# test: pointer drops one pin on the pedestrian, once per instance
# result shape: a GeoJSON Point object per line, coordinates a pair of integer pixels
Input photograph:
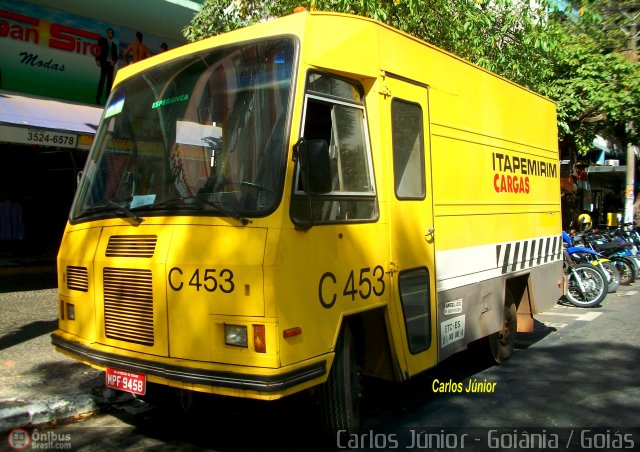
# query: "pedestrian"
{"type": "Point", "coordinates": [106, 61]}
{"type": "Point", "coordinates": [137, 49]}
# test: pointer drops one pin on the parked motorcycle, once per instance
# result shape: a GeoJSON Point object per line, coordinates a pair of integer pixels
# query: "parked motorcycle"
{"type": "Point", "coordinates": [581, 254]}
{"type": "Point", "coordinates": [586, 287]}
{"type": "Point", "coordinates": [627, 235]}
{"type": "Point", "coordinates": [614, 251]}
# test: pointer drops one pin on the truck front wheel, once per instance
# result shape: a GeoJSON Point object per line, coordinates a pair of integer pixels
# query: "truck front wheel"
{"type": "Point", "coordinates": [339, 397]}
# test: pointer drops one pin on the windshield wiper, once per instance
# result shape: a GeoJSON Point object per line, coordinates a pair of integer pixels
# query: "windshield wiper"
{"type": "Point", "coordinates": [110, 206]}
{"type": "Point", "coordinates": [218, 205]}
{"type": "Point", "coordinates": [124, 210]}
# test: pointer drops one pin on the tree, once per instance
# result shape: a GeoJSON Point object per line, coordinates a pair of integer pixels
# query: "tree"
{"type": "Point", "coordinates": [504, 36]}
{"type": "Point", "coordinates": [571, 58]}
{"type": "Point", "coordinates": [597, 93]}
{"type": "Point", "coordinates": [596, 87]}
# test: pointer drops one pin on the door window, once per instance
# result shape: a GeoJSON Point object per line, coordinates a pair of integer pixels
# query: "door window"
{"type": "Point", "coordinates": [414, 296]}
{"type": "Point", "coordinates": [408, 152]}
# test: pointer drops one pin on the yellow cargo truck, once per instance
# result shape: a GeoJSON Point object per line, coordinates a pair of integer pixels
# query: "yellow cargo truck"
{"type": "Point", "coordinates": [291, 205]}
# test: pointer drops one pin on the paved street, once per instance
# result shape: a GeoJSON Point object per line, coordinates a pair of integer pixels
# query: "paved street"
{"type": "Point", "coordinates": [36, 383]}
{"type": "Point", "coordinates": [578, 369]}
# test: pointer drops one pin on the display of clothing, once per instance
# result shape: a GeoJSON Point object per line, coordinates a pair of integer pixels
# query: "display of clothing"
{"type": "Point", "coordinates": [11, 224]}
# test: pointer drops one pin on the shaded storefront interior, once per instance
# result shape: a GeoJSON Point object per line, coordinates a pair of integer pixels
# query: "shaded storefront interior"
{"type": "Point", "coordinates": [48, 113]}
{"type": "Point", "coordinates": [44, 145]}
{"type": "Point", "coordinates": [595, 184]}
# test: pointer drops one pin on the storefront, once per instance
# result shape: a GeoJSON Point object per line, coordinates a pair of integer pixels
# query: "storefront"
{"type": "Point", "coordinates": [43, 147]}
{"type": "Point", "coordinates": [49, 84]}
{"type": "Point", "coordinates": [595, 183]}
{"type": "Point", "coordinates": [606, 185]}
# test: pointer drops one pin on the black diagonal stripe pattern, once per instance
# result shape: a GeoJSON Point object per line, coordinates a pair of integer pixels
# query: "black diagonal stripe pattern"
{"type": "Point", "coordinates": [528, 253]}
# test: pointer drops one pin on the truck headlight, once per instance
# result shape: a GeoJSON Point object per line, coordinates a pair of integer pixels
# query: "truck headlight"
{"type": "Point", "coordinates": [71, 311]}
{"type": "Point", "coordinates": [236, 335]}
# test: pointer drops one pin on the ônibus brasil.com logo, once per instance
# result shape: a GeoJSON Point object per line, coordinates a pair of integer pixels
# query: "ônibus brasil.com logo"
{"type": "Point", "coordinates": [21, 439]}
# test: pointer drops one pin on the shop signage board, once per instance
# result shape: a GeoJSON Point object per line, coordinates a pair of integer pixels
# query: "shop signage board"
{"type": "Point", "coordinates": [52, 53]}
{"type": "Point", "coordinates": [42, 137]}
{"type": "Point", "coordinates": [48, 52]}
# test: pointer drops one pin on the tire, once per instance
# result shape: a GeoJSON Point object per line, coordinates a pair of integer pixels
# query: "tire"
{"type": "Point", "coordinates": [626, 271]}
{"type": "Point", "coordinates": [501, 343]}
{"type": "Point", "coordinates": [339, 397]}
{"type": "Point", "coordinates": [636, 266]}
{"type": "Point", "coordinates": [601, 270]}
{"type": "Point", "coordinates": [636, 262]}
{"type": "Point", "coordinates": [614, 276]}
{"type": "Point", "coordinates": [595, 287]}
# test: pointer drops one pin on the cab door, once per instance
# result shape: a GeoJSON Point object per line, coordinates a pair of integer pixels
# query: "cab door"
{"type": "Point", "coordinates": [412, 235]}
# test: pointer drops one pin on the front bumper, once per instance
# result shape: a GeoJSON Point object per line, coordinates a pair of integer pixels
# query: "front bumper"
{"type": "Point", "coordinates": [268, 384]}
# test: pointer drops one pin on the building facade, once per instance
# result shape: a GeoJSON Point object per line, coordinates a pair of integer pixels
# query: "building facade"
{"type": "Point", "coordinates": [50, 106]}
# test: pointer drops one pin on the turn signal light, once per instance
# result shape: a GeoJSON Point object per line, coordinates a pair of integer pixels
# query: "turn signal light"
{"type": "Point", "coordinates": [291, 332]}
{"type": "Point", "coordinates": [259, 340]}
{"type": "Point", "coordinates": [299, 9]}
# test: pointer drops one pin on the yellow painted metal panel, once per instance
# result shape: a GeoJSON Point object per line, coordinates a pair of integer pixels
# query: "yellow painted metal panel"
{"type": "Point", "coordinates": [326, 48]}
{"type": "Point", "coordinates": [74, 252]}
{"type": "Point", "coordinates": [321, 276]}
{"type": "Point", "coordinates": [410, 219]}
{"type": "Point", "coordinates": [509, 192]}
{"type": "Point", "coordinates": [211, 270]}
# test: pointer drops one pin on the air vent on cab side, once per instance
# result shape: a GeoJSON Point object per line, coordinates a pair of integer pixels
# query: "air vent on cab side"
{"type": "Point", "coordinates": [131, 246]}
{"type": "Point", "coordinates": [77, 279]}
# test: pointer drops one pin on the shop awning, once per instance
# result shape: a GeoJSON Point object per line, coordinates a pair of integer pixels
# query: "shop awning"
{"type": "Point", "coordinates": [47, 122]}
{"type": "Point", "coordinates": [612, 176]}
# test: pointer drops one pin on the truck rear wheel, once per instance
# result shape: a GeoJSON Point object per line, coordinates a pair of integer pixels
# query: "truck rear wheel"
{"type": "Point", "coordinates": [502, 342]}
{"type": "Point", "coordinates": [340, 396]}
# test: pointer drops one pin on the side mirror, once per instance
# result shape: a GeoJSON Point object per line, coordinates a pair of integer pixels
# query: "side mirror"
{"type": "Point", "coordinates": [315, 165]}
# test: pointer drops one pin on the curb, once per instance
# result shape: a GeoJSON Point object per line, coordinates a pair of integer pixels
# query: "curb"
{"type": "Point", "coordinates": [12, 270]}
{"type": "Point", "coordinates": [18, 413]}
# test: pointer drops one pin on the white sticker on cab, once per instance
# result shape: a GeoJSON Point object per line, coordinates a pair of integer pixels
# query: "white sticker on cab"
{"type": "Point", "coordinates": [453, 307]}
{"type": "Point", "coordinates": [451, 330]}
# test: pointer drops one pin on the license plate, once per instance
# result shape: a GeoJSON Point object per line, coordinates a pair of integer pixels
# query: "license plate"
{"type": "Point", "coordinates": [126, 381]}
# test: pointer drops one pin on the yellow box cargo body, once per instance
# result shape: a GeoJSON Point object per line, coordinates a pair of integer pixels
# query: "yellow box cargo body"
{"type": "Point", "coordinates": [265, 211]}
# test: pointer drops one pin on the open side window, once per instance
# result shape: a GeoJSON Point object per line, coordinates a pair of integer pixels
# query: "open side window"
{"type": "Point", "coordinates": [334, 112]}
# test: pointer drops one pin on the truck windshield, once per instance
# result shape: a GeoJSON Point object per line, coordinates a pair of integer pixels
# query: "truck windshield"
{"type": "Point", "coordinates": [203, 134]}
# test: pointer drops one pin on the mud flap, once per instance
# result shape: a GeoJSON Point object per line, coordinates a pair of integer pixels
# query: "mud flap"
{"type": "Point", "coordinates": [525, 316]}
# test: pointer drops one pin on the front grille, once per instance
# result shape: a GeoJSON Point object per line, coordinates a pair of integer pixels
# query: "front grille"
{"type": "Point", "coordinates": [131, 246]}
{"type": "Point", "coordinates": [77, 279]}
{"type": "Point", "coordinates": [128, 305]}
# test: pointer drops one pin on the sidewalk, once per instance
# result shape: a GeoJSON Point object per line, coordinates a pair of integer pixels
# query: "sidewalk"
{"type": "Point", "coordinates": [37, 384]}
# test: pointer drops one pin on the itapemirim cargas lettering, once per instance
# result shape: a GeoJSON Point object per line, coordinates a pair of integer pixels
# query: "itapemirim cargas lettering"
{"type": "Point", "coordinates": [512, 172]}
